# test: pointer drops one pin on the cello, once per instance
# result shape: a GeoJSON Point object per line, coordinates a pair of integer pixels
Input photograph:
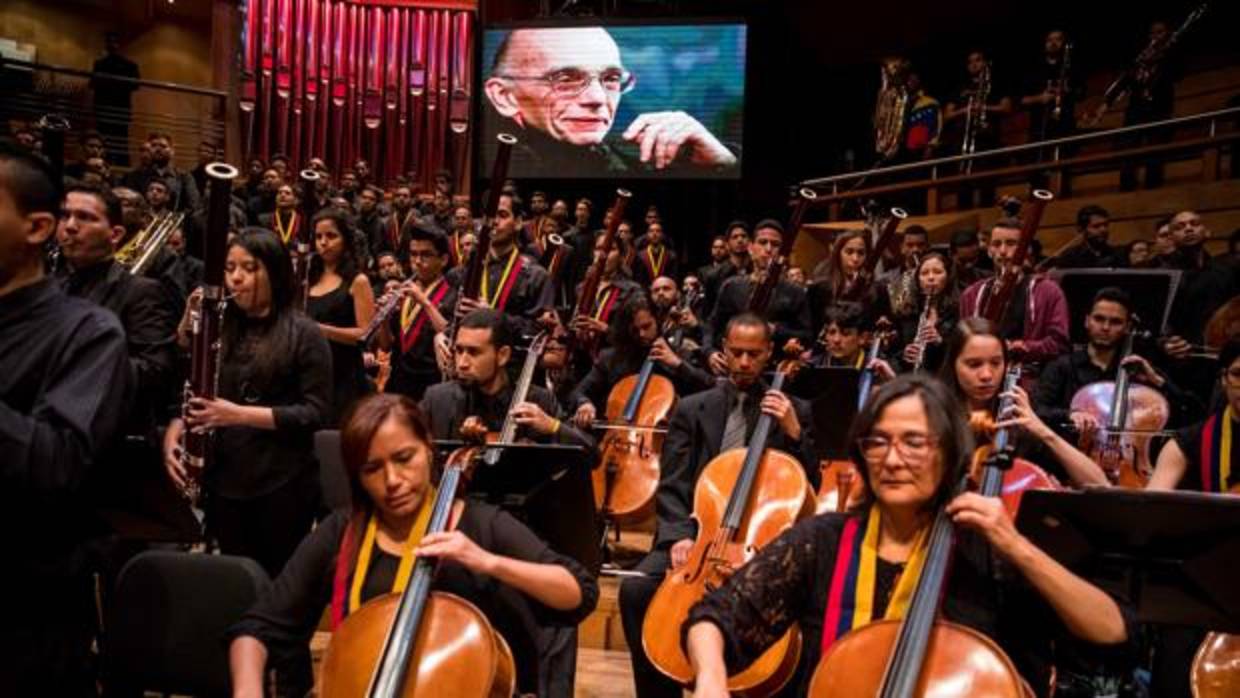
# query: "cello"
{"type": "Point", "coordinates": [744, 498]}
{"type": "Point", "coordinates": [1132, 416]}
{"type": "Point", "coordinates": [1215, 670]}
{"type": "Point", "coordinates": [418, 642]}
{"type": "Point", "coordinates": [921, 655]}
{"type": "Point", "coordinates": [637, 409]}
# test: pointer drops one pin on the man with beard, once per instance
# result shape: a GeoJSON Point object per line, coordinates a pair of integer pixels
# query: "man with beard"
{"type": "Point", "coordinates": [1207, 283]}
{"type": "Point", "coordinates": [1107, 325]}
{"type": "Point", "coordinates": [349, 186]}
{"type": "Point", "coordinates": [182, 191]}
{"type": "Point", "coordinates": [559, 89]}
{"type": "Point", "coordinates": [654, 257]}
{"type": "Point", "coordinates": [1093, 224]}
{"type": "Point", "coordinates": [397, 225]}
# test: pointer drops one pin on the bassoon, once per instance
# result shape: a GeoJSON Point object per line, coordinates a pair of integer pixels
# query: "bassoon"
{"type": "Point", "coordinates": [762, 293]}
{"type": "Point", "coordinates": [206, 321]}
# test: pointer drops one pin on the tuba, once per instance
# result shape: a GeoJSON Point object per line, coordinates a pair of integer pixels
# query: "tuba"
{"type": "Point", "coordinates": [891, 108]}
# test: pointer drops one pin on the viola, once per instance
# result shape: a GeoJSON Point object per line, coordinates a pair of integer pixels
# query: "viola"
{"type": "Point", "coordinates": [744, 498]}
{"type": "Point", "coordinates": [421, 643]}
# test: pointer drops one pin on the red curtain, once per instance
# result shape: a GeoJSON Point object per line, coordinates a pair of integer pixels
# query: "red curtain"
{"type": "Point", "coordinates": [343, 80]}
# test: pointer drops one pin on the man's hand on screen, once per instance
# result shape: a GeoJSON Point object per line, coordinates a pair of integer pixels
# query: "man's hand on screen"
{"type": "Point", "coordinates": [662, 135]}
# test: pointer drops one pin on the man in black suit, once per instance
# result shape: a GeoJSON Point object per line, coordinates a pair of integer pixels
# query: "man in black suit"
{"type": "Point", "coordinates": [114, 98]}
{"type": "Point", "coordinates": [701, 427]}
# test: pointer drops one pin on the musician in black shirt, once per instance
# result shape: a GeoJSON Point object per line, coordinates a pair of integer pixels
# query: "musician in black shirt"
{"type": "Point", "coordinates": [635, 336]}
{"type": "Point", "coordinates": [482, 391]}
{"type": "Point", "coordinates": [64, 390]}
{"type": "Point", "coordinates": [788, 310]}
{"type": "Point", "coordinates": [410, 333]}
{"type": "Point", "coordinates": [262, 479]}
{"type": "Point", "coordinates": [488, 558]}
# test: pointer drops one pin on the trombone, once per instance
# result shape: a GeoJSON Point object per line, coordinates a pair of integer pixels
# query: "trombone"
{"type": "Point", "coordinates": [142, 248]}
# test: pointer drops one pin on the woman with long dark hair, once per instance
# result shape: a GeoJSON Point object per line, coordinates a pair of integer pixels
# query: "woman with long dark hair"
{"type": "Point", "coordinates": [836, 572]}
{"type": "Point", "coordinates": [842, 277]}
{"type": "Point", "coordinates": [342, 301]}
{"type": "Point", "coordinates": [973, 367]}
{"type": "Point", "coordinates": [935, 298]}
{"type": "Point", "coordinates": [261, 484]}
{"type": "Point", "coordinates": [489, 558]}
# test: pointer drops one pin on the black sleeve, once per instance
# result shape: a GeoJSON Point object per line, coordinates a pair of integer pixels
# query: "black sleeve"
{"type": "Point", "coordinates": [568, 434]}
{"type": "Point", "coordinates": [691, 378]}
{"type": "Point", "coordinates": [1050, 398]}
{"type": "Point", "coordinates": [756, 605]}
{"type": "Point", "coordinates": [725, 308]}
{"type": "Point", "coordinates": [595, 386]}
{"type": "Point", "coordinates": [673, 499]}
{"type": "Point", "coordinates": [190, 201]}
{"type": "Point", "coordinates": [805, 451]}
{"type": "Point", "coordinates": [314, 371]}
{"type": "Point", "coordinates": [514, 539]}
{"type": "Point", "coordinates": [287, 612]}
{"type": "Point", "coordinates": [150, 332]}
{"type": "Point", "coordinates": [797, 322]}
{"type": "Point", "coordinates": [81, 408]}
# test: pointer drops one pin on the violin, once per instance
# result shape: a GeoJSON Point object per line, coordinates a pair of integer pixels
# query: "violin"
{"type": "Point", "coordinates": [421, 643]}
{"type": "Point", "coordinates": [921, 655]}
{"type": "Point", "coordinates": [744, 498]}
{"type": "Point", "coordinates": [1132, 416]}
{"type": "Point", "coordinates": [1020, 475]}
{"type": "Point", "coordinates": [625, 485]}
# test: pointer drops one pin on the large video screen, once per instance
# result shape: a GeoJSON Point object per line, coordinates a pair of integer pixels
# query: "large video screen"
{"type": "Point", "coordinates": [615, 101]}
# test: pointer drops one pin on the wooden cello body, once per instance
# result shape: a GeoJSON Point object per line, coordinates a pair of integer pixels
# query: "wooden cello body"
{"type": "Point", "coordinates": [419, 643]}
{"type": "Point", "coordinates": [744, 498]}
{"type": "Point", "coordinates": [921, 655]}
{"type": "Point", "coordinates": [626, 481]}
{"type": "Point", "coordinates": [1216, 667]}
{"type": "Point", "coordinates": [1121, 446]}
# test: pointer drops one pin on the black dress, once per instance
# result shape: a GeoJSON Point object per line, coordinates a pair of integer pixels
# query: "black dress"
{"type": "Point", "coordinates": [788, 582]}
{"type": "Point", "coordinates": [286, 615]}
{"type": "Point", "coordinates": [349, 382]}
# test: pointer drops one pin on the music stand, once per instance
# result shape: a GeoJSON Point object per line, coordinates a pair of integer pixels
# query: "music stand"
{"type": "Point", "coordinates": [548, 487]}
{"type": "Point", "coordinates": [832, 395]}
{"type": "Point", "coordinates": [1152, 292]}
{"type": "Point", "coordinates": [1170, 553]}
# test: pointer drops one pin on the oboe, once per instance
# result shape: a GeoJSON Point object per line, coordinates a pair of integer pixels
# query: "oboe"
{"type": "Point", "coordinates": [923, 325]}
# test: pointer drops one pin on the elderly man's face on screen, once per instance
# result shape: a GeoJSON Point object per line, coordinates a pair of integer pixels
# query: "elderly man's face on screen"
{"type": "Point", "coordinates": [564, 82]}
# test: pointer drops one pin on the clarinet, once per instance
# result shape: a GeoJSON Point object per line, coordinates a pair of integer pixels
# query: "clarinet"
{"type": "Point", "coordinates": [206, 322]}
{"type": "Point", "coordinates": [923, 324]}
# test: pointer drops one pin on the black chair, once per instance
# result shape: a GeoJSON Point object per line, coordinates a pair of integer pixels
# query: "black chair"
{"type": "Point", "coordinates": [335, 484]}
{"type": "Point", "coordinates": [164, 629]}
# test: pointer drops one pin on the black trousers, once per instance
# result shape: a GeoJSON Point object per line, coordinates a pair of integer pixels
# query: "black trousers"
{"type": "Point", "coordinates": [45, 639]}
{"type": "Point", "coordinates": [269, 527]}
{"type": "Point", "coordinates": [635, 596]}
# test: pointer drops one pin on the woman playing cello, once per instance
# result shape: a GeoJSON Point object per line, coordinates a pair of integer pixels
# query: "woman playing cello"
{"type": "Point", "coordinates": [489, 559]}
{"type": "Point", "coordinates": [836, 572]}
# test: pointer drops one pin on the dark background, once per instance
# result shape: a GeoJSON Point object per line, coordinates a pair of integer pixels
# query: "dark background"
{"type": "Point", "coordinates": [813, 76]}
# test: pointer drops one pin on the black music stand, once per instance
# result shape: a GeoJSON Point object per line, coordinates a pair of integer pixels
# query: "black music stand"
{"type": "Point", "coordinates": [548, 487]}
{"type": "Point", "coordinates": [1152, 292]}
{"type": "Point", "coordinates": [1170, 553]}
{"type": "Point", "coordinates": [832, 394]}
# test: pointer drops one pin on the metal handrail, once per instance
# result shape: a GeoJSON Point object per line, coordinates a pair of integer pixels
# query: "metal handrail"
{"type": "Point", "coordinates": [835, 180]}
{"type": "Point", "coordinates": [174, 86]}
